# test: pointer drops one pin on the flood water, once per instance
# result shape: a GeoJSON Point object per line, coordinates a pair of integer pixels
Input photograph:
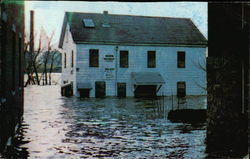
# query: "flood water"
{"type": "Point", "coordinates": [59, 127]}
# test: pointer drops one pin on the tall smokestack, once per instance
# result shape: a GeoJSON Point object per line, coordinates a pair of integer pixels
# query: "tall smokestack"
{"type": "Point", "coordinates": [31, 31]}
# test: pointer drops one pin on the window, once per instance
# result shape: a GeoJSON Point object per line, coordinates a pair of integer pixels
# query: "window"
{"type": "Point", "coordinates": [124, 59]}
{"type": "Point", "coordinates": [151, 59]}
{"type": "Point", "coordinates": [20, 61]}
{"type": "Point", "coordinates": [88, 23]}
{"type": "Point", "coordinates": [181, 89]}
{"type": "Point", "coordinates": [93, 58]}
{"type": "Point", "coordinates": [72, 58]}
{"type": "Point", "coordinates": [65, 60]}
{"type": "Point", "coordinates": [13, 60]}
{"type": "Point", "coordinates": [181, 59]}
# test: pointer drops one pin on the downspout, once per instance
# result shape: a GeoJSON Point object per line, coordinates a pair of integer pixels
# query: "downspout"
{"type": "Point", "coordinates": [243, 88]}
{"type": "Point", "coordinates": [242, 67]}
{"type": "Point", "coordinates": [116, 67]}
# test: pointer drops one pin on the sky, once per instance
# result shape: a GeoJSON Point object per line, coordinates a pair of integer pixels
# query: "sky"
{"type": "Point", "coordinates": [49, 14]}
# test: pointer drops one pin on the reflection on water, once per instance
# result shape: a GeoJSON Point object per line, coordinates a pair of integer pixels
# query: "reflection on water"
{"type": "Point", "coordinates": [60, 127]}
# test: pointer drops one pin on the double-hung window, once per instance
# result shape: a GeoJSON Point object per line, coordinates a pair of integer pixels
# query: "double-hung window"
{"type": "Point", "coordinates": [181, 89]}
{"type": "Point", "coordinates": [123, 59]}
{"type": "Point", "coordinates": [93, 58]}
{"type": "Point", "coordinates": [181, 59]}
{"type": "Point", "coordinates": [151, 59]}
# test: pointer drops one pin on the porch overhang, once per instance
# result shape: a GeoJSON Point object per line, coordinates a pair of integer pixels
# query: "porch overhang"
{"type": "Point", "coordinates": [66, 85]}
{"type": "Point", "coordinates": [84, 85]}
{"type": "Point", "coordinates": [147, 78]}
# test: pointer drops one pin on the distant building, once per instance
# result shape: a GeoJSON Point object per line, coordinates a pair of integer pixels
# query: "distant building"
{"type": "Point", "coordinates": [11, 67]}
{"type": "Point", "coordinates": [123, 55]}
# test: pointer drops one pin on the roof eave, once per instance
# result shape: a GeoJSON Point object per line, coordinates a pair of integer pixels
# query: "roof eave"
{"type": "Point", "coordinates": [60, 45]}
{"type": "Point", "coordinates": [201, 44]}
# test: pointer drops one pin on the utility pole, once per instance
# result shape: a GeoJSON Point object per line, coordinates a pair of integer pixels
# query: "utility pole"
{"type": "Point", "coordinates": [31, 31]}
{"type": "Point", "coordinates": [31, 50]}
{"type": "Point", "coordinates": [32, 53]}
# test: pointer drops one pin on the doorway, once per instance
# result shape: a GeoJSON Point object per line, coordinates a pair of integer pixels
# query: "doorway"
{"type": "Point", "coordinates": [100, 89]}
{"type": "Point", "coordinates": [145, 91]}
{"type": "Point", "coordinates": [84, 93]}
{"type": "Point", "coordinates": [121, 89]}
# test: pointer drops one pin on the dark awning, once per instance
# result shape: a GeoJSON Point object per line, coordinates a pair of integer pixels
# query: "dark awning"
{"type": "Point", "coordinates": [84, 85]}
{"type": "Point", "coordinates": [147, 78]}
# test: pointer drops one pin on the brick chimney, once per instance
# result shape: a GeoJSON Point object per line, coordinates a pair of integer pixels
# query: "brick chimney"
{"type": "Point", "coordinates": [105, 19]}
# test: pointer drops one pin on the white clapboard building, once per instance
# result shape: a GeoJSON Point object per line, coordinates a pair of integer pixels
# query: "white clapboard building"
{"type": "Point", "coordinates": [123, 55]}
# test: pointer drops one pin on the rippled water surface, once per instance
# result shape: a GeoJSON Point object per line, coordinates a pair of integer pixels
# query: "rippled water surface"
{"type": "Point", "coordinates": [59, 127]}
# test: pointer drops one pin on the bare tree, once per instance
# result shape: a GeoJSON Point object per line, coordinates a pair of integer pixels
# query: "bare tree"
{"type": "Point", "coordinates": [40, 61]}
{"type": "Point", "coordinates": [200, 65]}
{"type": "Point", "coordinates": [32, 62]}
{"type": "Point", "coordinates": [35, 58]}
{"type": "Point", "coordinates": [36, 62]}
{"type": "Point", "coordinates": [47, 57]}
{"type": "Point", "coordinates": [53, 57]}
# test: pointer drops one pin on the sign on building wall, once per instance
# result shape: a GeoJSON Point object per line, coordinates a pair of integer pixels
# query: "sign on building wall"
{"type": "Point", "coordinates": [109, 58]}
{"type": "Point", "coordinates": [109, 67]}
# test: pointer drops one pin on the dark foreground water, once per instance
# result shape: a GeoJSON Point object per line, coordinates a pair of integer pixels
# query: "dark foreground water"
{"type": "Point", "coordinates": [58, 127]}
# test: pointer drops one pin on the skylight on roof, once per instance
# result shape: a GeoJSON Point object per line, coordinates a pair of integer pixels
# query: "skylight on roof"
{"type": "Point", "coordinates": [88, 23]}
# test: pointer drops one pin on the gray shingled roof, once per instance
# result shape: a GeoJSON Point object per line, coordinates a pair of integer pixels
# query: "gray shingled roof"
{"type": "Point", "coordinates": [133, 30]}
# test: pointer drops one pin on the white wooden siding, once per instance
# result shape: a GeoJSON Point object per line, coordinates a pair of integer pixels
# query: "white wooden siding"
{"type": "Point", "coordinates": [166, 64]}
{"type": "Point", "coordinates": [69, 73]}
